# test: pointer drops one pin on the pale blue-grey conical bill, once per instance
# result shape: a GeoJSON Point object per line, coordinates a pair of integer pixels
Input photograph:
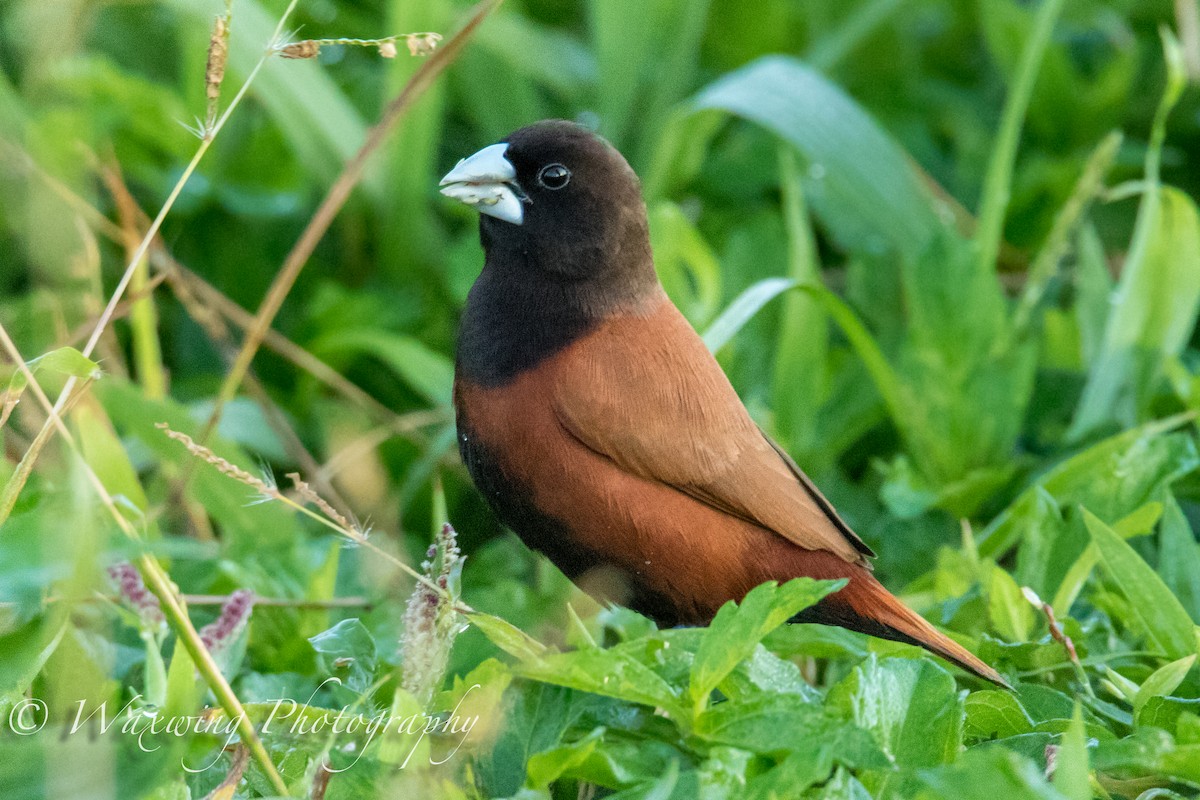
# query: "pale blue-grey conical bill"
{"type": "Point", "coordinates": [487, 181]}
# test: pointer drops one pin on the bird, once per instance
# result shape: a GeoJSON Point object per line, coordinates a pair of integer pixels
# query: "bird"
{"type": "Point", "coordinates": [600, 429]}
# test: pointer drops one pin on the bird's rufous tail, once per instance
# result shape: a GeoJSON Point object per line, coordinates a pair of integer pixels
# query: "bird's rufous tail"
{"type": "Point", "coordinates": [865, 606]}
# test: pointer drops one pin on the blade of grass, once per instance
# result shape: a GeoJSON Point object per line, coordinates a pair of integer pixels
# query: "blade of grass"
{"type": "Point", "coordinates": [799, 381]}
{"type": "Point", "coordinates": [997, 185]}
{"type": "Point", "coordinates": [862, 184]}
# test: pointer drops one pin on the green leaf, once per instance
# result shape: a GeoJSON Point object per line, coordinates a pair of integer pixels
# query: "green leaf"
{"type": "Point", "coordinates": [1010, 612]}
{"type": "Point", "coordinates": [1167, 713]}
{"type": "Point", "coordinates": [776, 724]}
{"type": "Point", "coordinates": [1154, 610]}
{"type": "Point", "coordinates": [184, 687]}
{"type": "Point", "coordinates": [686, 264]}
{"type": "Point", "coordinates": [426, 371]}
{"type": "Point", "coordinates": [1071, 763]}
{"type": "Point", "coordinates": [1163, 681]}
{"type": "Point", "coordinates": [611, 673]}
{"type": "Point", "coordinates": [1150, 752]}
{"type": "Point", "coordinates": [548, 766]}
{"type": "Point", "coordinates": [508, 637]}
{"type": "Point", "coordinates": [245, 527]}
{"type": "Point", "coordinates": [533, 719]}
{"type": "Point", "coordinates": [107, 457]}
{"type": "Point", "coordinates": [800, 379]}
{"type": "Point", "coordinates": [911, 706]}
{"type": "Point", "coordinates": [25, 650]}
{"type": "Point", "coordinates": [1154, 312]}
{"type": "Point", "coordinates": [739, 627]}
{"type": "Point", "coordinates": [995, 714]}
{"type": "Point", "coordinates": [988, 774]}
{"type": "Point", "coordinates": [1112, 478]}
{"type": "Point", "coordinates": [63, 361]}
{"type": "Point", "coordinates": [347, 652]}
{"type": "Point", "coordinates": [1157, 299]}
{"type": "Point", "coordinates": [862, 184]}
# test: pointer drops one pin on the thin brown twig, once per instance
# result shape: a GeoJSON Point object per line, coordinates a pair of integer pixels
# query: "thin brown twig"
{"type": "Point", "coordinates": [335, 198]}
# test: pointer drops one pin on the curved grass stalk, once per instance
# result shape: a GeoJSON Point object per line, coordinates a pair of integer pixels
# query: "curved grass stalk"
{"type": "Point", "coordinates": [160, 584]}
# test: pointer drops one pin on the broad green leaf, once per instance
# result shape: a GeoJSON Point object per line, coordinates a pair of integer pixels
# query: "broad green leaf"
{"type": "Point", "coordinates": [988, 774]}
{"type": "Point", "coordinates": [861, 183]}
{"type": "Point", "coordinates": [1138, 523]}
{"type": "Point", "coordinates": [1150, 752]}
{"type": "Point", "coordinates": [64, 361]}
{"type": "Point", "coordinates": [106, 455]}
{"type": "Point", "coordinates": [1071, 762]}
{"type": "Point", "coordinates": [534, 718]}
{"type": "Point", "coordinates": [1155, 611]}
{"type": "Point", "coordinates": [1167, 713]}
{"type": "Point", "coordinates": [1163, 681]}
{"type": "Point", "coordinates": [645, 67]}
{"type": "Point", "coordinates": [24, 651]}
{"type": "Point", "coordinates": [882, 373]}
{"type": "Point", "coordinates": [995, 714]}
{"type": "Point", "coordinates": [773, 724]}
{"type": "Point", "coordinates": [184, 686]}
{"type": "Point", "coordinates": [607, 758]}
{"type": "Point", "coordinates": [739, 627]}
{"type": "Point", "coordinates": [1111, 478]}
{"type": "Point", "coordinates": [910, 706]}
{"type": "Point", "coordinates": [347, 652]}
{"type": "Point", "coordinates": [800, 380]}
{"type": "Point", "coordinates": [245, 527]}
{"type": "Point", "coordinates": [610, 673]}
{"type": "Point", "coordinates": [1010, 612]}
{"type": "Point", "coordinates": [550, 765]}
{"type": "Point", "coordinates": [429, 373]}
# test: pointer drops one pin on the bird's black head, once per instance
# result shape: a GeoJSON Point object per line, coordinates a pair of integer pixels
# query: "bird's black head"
{"type": "Point", "coordinates": [558, 200]}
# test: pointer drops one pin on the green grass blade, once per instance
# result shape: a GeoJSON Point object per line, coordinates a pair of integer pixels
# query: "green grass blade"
{"type": "Point", "coordinates": [997, 187]}
{"type": "Point", "coordinates": [862, 184]}
{"type": "Point", "coordinates": [1153, 610]}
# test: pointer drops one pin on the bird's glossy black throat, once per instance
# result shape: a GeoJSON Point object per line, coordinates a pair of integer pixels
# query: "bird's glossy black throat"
{"type": "Point", "coordinates": [511, 325]}
{"type": "Point", "coordinates": [519, 312]}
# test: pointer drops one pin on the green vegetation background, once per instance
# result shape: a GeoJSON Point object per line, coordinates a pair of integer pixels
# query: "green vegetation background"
{"type": "Point", "coordinates": [948, 253]}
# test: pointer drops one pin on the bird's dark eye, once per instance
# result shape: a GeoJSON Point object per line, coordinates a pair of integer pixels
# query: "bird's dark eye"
{"type": "Point", "coordinates": [554, 176]}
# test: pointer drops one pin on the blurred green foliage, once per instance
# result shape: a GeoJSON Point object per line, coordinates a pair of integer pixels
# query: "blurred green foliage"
{"type": "Point", "coordinates": [948, 253]}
